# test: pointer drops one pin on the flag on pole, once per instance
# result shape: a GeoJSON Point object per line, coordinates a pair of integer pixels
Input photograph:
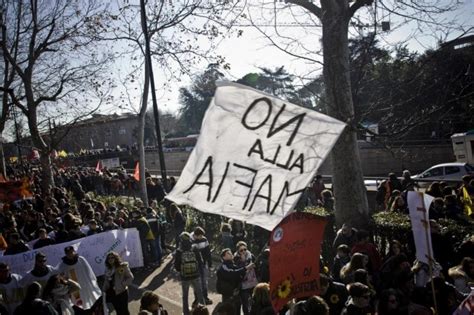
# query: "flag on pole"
{"type": "Point", "coordinates": [136, 174]}
{"type": "Point", "coordinates": [467, 201]}
{"type": "Point", "coordinates": [99, 167]}
{"type": "Point", "coordinates": [467, 306]}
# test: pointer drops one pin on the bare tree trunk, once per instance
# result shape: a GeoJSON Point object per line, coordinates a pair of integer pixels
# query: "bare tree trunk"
{"type": "Point", "coordinates": [347, 181]}
{"type": "Point", "coordinates": [47, 179]}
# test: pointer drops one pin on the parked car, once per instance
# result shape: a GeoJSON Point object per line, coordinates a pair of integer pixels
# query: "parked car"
{"type": "Point", "coordinates": [445, 172]}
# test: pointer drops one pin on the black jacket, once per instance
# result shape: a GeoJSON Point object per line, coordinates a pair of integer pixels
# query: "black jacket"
{"type": "Point", "coordinates": [229, 277]}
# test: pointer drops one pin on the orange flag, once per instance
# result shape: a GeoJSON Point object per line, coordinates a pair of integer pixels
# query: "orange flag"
{"type": "Point", "coordinates": [136, 174]}
{"type": "Point", "coordinates": [98, 167]}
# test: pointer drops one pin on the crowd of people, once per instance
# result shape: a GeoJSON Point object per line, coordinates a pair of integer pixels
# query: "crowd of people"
{"type": "Point", "coordinates": [360, 278]}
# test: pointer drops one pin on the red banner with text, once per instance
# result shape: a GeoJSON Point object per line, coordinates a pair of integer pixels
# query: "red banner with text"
{"type": "Point", "coordinates": [295, 246]}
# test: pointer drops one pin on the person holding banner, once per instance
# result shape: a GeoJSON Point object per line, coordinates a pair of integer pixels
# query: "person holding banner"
{"type": "Point", "coordinates": [10, 288]}
{"type": "Point", "coordinates": [40, 273]}
{"type": "Point", "coordinates": [77, 268]}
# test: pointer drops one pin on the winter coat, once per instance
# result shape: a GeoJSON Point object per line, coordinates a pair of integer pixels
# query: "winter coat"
{"type": "Point", "coordinates": [120, 278]}
{"type": "Point", "coordinates": [229, 277]}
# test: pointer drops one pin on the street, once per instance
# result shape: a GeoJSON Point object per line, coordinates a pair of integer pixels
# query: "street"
{"type": "Point", "coordinates": [165, 282]}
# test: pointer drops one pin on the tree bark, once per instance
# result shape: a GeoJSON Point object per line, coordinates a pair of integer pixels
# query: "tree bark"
{"type": "Point", "coordinates": [47, 178]}
{"type": "Point", "coordinates": [347, 181]}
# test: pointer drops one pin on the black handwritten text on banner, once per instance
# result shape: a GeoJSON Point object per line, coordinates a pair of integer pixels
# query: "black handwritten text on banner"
{"type": "Point", "coordinates": [255, 156]}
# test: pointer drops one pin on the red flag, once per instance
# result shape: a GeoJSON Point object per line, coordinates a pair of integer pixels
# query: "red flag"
{"type": "Point", "coordinates": [98, 168]}
{"type": "Point", "coordinates": [136, 175]}
{"type": "Point", "coordinates": [295, 245]}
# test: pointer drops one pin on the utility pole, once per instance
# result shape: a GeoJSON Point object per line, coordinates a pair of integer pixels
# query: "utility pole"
{"type": "Point", "coordinates": [161, 155]}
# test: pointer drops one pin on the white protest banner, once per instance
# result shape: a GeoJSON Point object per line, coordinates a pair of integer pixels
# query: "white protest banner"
{"type": "Point", "coordinates": [419, 204]}
{"type": "Point", "coordinates": [110, 163]}
{"type": "Point", "coordinates": [93, 248]}
{"type": "Point", "coordinates": [255, 156]}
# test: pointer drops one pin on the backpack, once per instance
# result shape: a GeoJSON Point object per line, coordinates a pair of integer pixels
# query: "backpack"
{"type": "Point", "coordinates": [189, 265]}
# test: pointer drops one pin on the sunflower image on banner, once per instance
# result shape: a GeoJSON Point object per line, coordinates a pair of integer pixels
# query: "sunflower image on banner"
{"type": "Point", "coordinates": [295, 245]}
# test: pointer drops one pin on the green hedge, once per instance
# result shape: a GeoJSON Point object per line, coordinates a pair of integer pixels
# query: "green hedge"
{"type": "Point", "coordinates": [394, 225]}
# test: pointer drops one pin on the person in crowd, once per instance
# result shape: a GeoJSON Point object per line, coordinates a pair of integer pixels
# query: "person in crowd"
{"type": "Point", "coordinates": [150, 302]}
{"type": "Point", "coordinates": [359, 300]}
{"type": "Point", "coordinates": [93, 228]}
{"type": "Point", "coordinates": [238, 231]}
{"type": "Point", "coordinates": [200, 309]}
{"type": "Point", "coordinates": [463, 275]}
{"type": "Point", "coordinates": [40, 273]}
{"type": "Point", "coordinates": [33, 304]}
{"type": "Point", "coordinates": [395, 248]}
{"type": "Point", "coordinates": [110, 224]}
{"type": "Point", "coordinates": [391, 268]}
{"type": "Point", "coordinates": [188, 262]}
{"type": "Point", "coordinates": [76, 232]}
{"type": "Point", "coordinates": [334, 293]}
{"type": "Point", "coordinates": [447, 297]}
{"type": "Point", "coordinates": [43, 240]}
{"type": "Point", "coordinates": [437, 210]}
{"type": "Point", "coordinates": [327, 201]}
{"type": "Point", "coordinates": [15, 245]}
{"type": "Point", "coordinates": [201, 243]}
{"type": "Point", "coordinates": [346, 235]}
{"type": "Point", "coordinates": [147, 239]}
{"type": "Point", "coordinates": [154, 223]}
{"type": "Point", "coordinates": [179, 222]}
{"type": "Point", "coordinates": [76, 267]}
{"type": "Point", "coordinates": [389, 303]}
{"type": "Point", "coordinates": [242, 258]}
{"type": "Point", "coordinates": [60, 233]}
{"type": "Point", "coordinates": [58, 292]}
{"type": "Point", "coordinates": [229, 277]}
{"type": "Point", "coordinates": [317, 188]}
{"type": "Point", "coordinates": [364, 246]}
{"type": "Point", "coordinates": [117, 278]}
{"type": "Point", "coordinates": [340, 260]}
{"type": "Point", "coordinates": [11, 289]}
{"type": "Point", "coordinates": [442, 248]}
{"type": "Point", "coordinates": [422, 273]}
{"type": "Point", "coordinates": [261, 303]}
{"type": "Point", "coordinates": [386, 189]}
{"type": "Point", "coordinates": [434, 190]}
{"type": "Point", "coordinates": [399, 205]}
{"type": "Point", "coordinates": [263, 266]}
{"type": "Point", "coordinates": [227, 240]}
{"type": "Point", "coordinates": [358, 261]}
{"type": "Point", "coordinates": [407, 181]}
{"type": "Point", "coordinates": [313, 305]}
{"type": "Point", "coordinates": [452, 208]}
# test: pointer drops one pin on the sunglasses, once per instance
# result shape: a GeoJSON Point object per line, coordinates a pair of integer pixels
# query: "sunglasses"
{"type": "Point", "coordinates": [365, 297]}
{"type": "Point", "coordinates": [242, 250]}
